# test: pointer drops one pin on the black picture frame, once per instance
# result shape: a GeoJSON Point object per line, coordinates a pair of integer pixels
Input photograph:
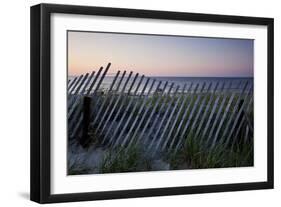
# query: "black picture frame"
{"type": "Point", "coordinates": [41, 96]}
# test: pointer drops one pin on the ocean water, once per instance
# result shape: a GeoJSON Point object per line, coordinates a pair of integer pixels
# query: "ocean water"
{"type": "Point", "coordinates": [209, 83]}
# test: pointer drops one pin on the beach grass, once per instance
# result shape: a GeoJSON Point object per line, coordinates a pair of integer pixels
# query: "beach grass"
{"type": "Point", "coordinates": [196, 156]}
{"type": "Point", "coordinates": [195, 152]}
{"type": "Point", "coordinates": [131, 159]}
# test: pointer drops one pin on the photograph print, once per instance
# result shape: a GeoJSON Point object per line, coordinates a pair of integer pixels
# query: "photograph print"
{"type": "Point", "coordinates": [149, 102]}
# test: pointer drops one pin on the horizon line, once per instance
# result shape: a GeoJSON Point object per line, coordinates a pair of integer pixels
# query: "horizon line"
{"type": "Point", "coordinates": [112, 75]}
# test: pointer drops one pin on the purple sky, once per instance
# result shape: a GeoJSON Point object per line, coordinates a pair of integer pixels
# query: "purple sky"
{"type": "Point", "coordinates": [155, 55]}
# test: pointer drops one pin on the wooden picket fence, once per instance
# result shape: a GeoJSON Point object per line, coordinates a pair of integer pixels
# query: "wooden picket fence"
{"type": "Point", "coordinates": [159, 115]}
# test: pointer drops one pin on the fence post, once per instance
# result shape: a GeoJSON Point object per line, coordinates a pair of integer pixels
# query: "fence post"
{"type": "Point", "coordinates": [86, 120]}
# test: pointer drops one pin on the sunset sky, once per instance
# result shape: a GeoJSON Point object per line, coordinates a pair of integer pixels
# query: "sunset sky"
{"type": "Point", "coordinates": [154, 55]}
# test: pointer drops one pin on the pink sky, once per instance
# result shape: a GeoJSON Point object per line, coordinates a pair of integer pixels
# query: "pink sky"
{"type": "Point", "coordinates": [154, 55]}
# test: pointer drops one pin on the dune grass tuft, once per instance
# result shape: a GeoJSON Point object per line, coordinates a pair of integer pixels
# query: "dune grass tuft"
{"type": "Point", "coordinates": [125, 160]}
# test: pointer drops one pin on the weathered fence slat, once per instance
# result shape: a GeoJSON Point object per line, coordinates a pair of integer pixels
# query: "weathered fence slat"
{"type": "Point", "coordinates": [206, 110]}
{"type": "Point", "coordinates": [230, 101]}
{"type": "Point", "coordinates": [71, 90]}
{"type": "Point", "coordinates": [76, 98]}
{"type": "Point", "coordinates": [195, 106]}
{"type": "Point", "coordinates": [236, 118]}
{"type": "Point", "coordinates": [75, 106]}
{"type": "Point", "coordinates": [169, 104]}
{"type": "Point", "coordinates": [119, 97]}
{"type": "Point", "coordinates": [74, 111]}
{"type": "Point", "coordinates": [245, 116]}
{"type": "Point", "coordinates": [115, 105]}
{"type": "Point", "coordinates": [94, 94]}
{"type": "Point", "coordinates": [77, 95]}
{"type": "Point", "coordinates": [87, 83]}
{"type": "Point", "coordinates": [127, 107]}
{"type": "Point", "coordinates": [100, 80]}
{"type": "Point", "coordinates": [175, 119]}
{"type": "Point", "coordinates": [81, 84]}
{"type": "Point", "coordinates": [142, 105]}
{"type": "Point", "coordinates": [105, 99]}
{"type": "Point", "coordinates": [153, 113]}
{"type": "Point", "coordinates": [212, 114]}
{"type": "Point", "coordinates": [233, 114]}
{"type": "Point", "coordinates": [94, 81]}
{"type": "Point", "coordinates": [156, 119]}
{"type": "Point", "coordinates": [246, 135]}
{"type": "Point", "coordinates": [111, 102]}
{"type": "Point", "coordinates": [126, 112]}
{"type": "Point", "coordinates": [175, 136]}
{"type": "Point", "coordinates": [122, 104]}
{"type": "Point", "coordinates": [134, 110]}
{"type": "Point", "coordinates": [202, 104]}
{"type": "Point", "coordinates": [86, 120]}
{"type": "Point", "coordinates": [78, 116]}
{"type": "Point", "coordinates": [73, 95]}
{"type": "Point", "coordinates": [220, 110]}
{"type": "Point", "coordinates": [95, 101]}
{"type": "Point", "coordinates": [165, 127]}
{"type": "Point", "coordinates": [153, 108]}
{"type": "Point", "coordinates": [71, 83]}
